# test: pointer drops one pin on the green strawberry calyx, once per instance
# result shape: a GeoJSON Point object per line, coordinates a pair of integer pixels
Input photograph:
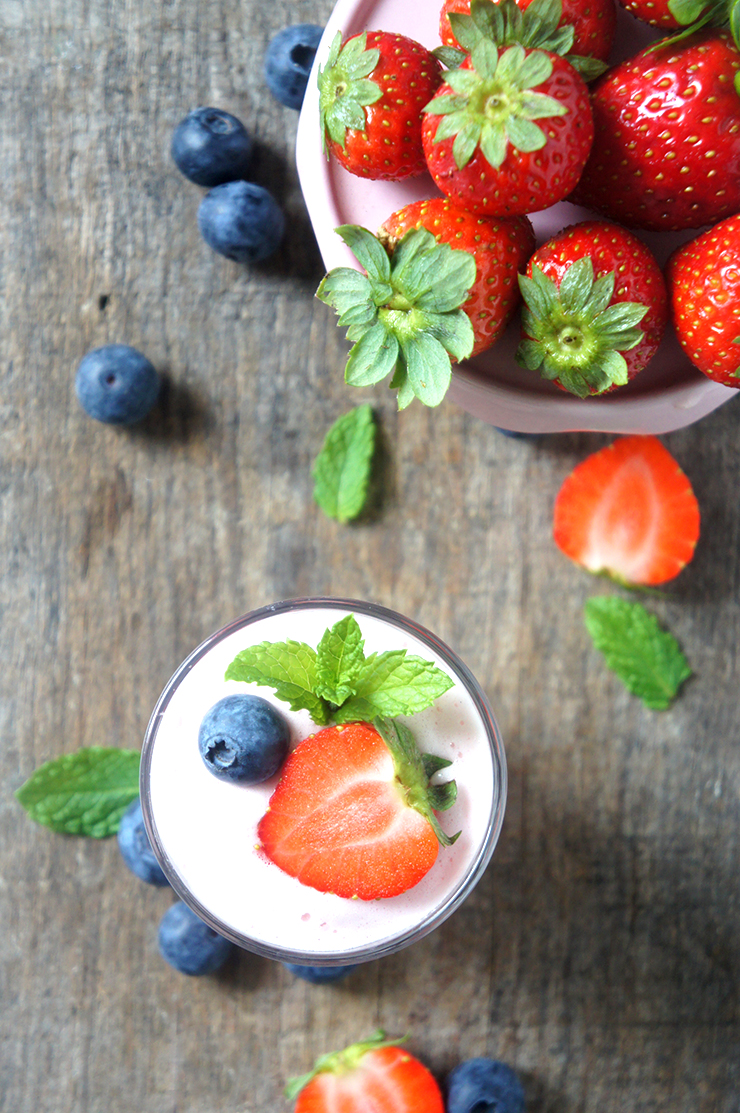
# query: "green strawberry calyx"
{"type": "Point", "coordinates": [503, 23]}
{"type": "Point", "coordinates": [340, 1062]}
{"type": "Point", "coordinates": [573, 333]}
{"type": "Point", "coordinates": [344, 87]}
{"type": "Point", "coordinates": [494, 104]}
{"type": "Point", "coordinates": [414, 773]}
{"type": "Point", "coordinates": [404, 315]}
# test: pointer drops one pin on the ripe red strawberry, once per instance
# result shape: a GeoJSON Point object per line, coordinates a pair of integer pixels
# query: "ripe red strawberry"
{"type": "Point", "coordinates": [595, 310]}
{"type": "Point", "coordinates": [509, 132]}
{"type": "Point", "coordinates": [374, 1076]}
{"type": "Point", "coordinates": [353, 812]}
{"type": "Point", "coordinates": [667, 136]}
{"type": "Point", "coordinates": [371, 92]}
{"type": "Point", "coordinates": [656, 12]}
{"type": "Point", "coordinates": [703, 279]}
{"type": "Point", "coordinates": [500, 247]}
{"type": "Point", "coordinates": [628, 511]}
{"type": "Point", "coordinates": [594, 24]}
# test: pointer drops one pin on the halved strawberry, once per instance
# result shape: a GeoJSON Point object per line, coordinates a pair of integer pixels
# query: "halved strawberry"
{"type": "Point", "coordinates": [375, 1076]}
{"type": "Point", "coordinates": [628, 511]}
{"type": "Point", "coordinates": [353, 812]}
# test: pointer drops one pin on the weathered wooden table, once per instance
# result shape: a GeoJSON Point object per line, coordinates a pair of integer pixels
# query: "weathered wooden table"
{"type": "Point", "coordinates": [600, 955]}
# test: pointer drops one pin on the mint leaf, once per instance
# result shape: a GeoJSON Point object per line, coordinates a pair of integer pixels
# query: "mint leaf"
{"type": "Point", "coordinates": [289, 668]}
{"type": "Point", "coordinates": [339, 660]}
{"type": "Point", "coordinates": [341, 471]}
{"type": "Point", "coordinates": [393, 683]}
{"type": "Point", "coordinates": [84, 793]}
{"type": "Point", "coordinates": [646, 658]}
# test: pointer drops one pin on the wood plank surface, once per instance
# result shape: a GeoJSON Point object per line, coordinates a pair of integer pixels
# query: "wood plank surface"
{"type": "Point", "coordinates": [600, 954]}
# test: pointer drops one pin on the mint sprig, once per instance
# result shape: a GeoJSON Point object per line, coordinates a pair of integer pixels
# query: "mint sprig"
{"type": "Point", "coordinates": [646, 658]}
{"type": "Point", "coordinates": [341, 471]}
{"type": "Point", "coordinates": [83, 793]}
{"type": "Point", "coordinates": [336, 682]}
{"type": "Point", "coordinates": [403, 315]}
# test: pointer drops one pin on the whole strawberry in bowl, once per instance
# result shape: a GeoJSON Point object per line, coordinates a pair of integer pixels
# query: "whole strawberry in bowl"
{"type": "Point", "coordinates": [704, 287]}
{"type": "Point", "coordinates": [595, 308]}
{"type": "Point", "coordinates": [668, 393]}
{"type": "Point", "coordinates": [666, 146]}
{"type": "Point", "coordinates": [509, 132]}
{"type": "Point", "coordinates": [371, 90]}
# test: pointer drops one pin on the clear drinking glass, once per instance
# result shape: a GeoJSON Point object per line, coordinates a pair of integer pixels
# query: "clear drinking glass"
{"type": "Point", "coordinates": [204, 829]}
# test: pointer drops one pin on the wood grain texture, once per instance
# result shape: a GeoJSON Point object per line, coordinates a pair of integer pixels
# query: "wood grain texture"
{"type": "Point", "coordinates": [600, 955]}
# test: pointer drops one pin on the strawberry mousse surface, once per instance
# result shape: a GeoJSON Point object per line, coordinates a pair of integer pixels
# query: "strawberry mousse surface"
{"type": "Point", "coordinates": [204, 829]}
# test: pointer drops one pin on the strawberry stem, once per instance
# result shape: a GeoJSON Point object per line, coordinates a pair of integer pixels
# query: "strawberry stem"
{"type": "Point", "coordinates": [340, 1062]}
{"type": "Point", "coordinates": [414, 771]}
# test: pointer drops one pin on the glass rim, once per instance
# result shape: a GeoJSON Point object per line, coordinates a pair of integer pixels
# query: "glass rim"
{"type": "Point", "coordinates": [480, 860]}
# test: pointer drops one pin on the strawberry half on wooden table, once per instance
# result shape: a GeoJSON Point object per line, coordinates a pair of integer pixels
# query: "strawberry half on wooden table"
{"type": "Point", "coordinates": [374, 1076]}
{"type": "Point", "coordinates": [628, 512]}
{"type": "Point", "coordinates": [509, 131]}
{"type": "Point", "coordinates": [666, 148]}
{"type": "Point", "coordinates": [703, 279]}
{"type": "Point", "coordinates": [372, 89]}
{"type": "Point", "coordinates": [595, 308]}
{"type": "Point", "coordinates": [354, 811]}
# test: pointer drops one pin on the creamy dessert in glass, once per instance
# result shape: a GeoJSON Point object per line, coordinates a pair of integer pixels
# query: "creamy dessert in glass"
{"type": "Point", "coordinates": [204, 830]}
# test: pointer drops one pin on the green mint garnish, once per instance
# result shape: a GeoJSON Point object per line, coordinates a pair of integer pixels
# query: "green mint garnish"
{"type": "Point", "coordinates": [336, 682]}
{"type": "Point", "coordinates": [646, 658]}
{"type": "Point", "coordinates": [84, 793]}
{"type": "Point", "coordinates": [403, 315]}
{"type": "Point", "coordinates": [341, 471]}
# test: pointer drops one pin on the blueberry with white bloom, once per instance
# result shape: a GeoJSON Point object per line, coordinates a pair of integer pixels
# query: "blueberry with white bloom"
{"type": "Point", "coordinates": [116, 384]}
{"type": "Point", "coordinates": [288, 62]}
{"type": "Point", "coordinates": [211, 146]}
{"type": "Point", "coordinates": [189, 944]}
{"type": "Point", "coordinates": [242, 221]}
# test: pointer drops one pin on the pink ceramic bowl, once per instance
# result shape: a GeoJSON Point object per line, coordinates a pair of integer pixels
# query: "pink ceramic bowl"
{"type": "Point", "coordinates": [669, 394]}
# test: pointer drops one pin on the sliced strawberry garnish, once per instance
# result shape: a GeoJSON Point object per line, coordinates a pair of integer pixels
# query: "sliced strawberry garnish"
{"type": "Point", "coordinates": [375, 1076]}
{"type": "Point", "coordinates": [628, 511]}
{"type": "Point", "coordinates": [353, 814]}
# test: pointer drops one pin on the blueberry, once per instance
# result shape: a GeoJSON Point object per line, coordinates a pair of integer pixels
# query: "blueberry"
{"type": "Point", "coordinates": [242, 221]}
{"type": "Point", "coordinates": [243, 738]}
{"type": "Point", "coordinates": [484, 1086]}
{"type": "Point", "coordinates": [318, 974]}
{"type": "Point", "coordinates": [210, 147]}
{"type": "Point", "coordinates": [518, 436]}
{"type": "Point", "coordinates": [135, 847]}
{"type": "Point", "coordinates": [188, 944]}
{"type": "Point", "coordinates": [116, 384]}
{"type": "Point", "coordinates": [288, 62]}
